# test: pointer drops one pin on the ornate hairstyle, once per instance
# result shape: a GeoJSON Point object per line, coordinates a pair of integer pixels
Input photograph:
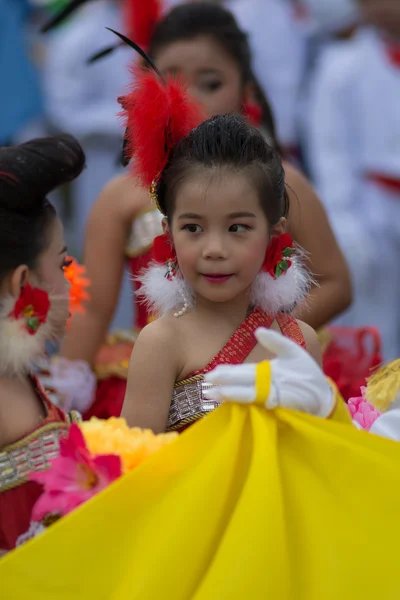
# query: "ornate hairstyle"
{"type": "Point", "coordinates": [28, 173]}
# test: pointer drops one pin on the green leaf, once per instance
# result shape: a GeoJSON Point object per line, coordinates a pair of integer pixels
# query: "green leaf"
{"type": "Point", "coordinates": [288, 252]}
{"type": "Point", "coordinates": [33, 323]}
{"type": "Point", "coordinates": [284, 265]}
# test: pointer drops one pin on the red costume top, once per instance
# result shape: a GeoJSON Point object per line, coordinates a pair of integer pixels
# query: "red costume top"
{"type": "Point", "coordinates": [188, 403]}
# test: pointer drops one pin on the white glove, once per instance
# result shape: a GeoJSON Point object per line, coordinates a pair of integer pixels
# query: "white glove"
{"type": "Point", "coordinates": [73, 382]}
{"type": "Point", "coordinates": [291, 380]}
{"type": "Point", "coordinates": [388, 425]}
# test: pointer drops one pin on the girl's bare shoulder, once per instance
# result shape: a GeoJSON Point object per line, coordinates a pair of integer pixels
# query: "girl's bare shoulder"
{"type": "Point", "coordinates": [123, 197]}
{"type": "Point", "coordinates": [161, 336]}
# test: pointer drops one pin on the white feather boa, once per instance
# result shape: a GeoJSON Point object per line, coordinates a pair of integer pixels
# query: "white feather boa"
{"type": "Point", "coordinates": [18, 349]}
{"type": "Point", "coordinates": [162, 295]}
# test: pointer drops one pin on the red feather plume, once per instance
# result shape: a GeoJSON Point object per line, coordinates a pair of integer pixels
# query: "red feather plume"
{"type": "Point", "coordinates": [141, 17]}
{"type": "Point", "coordinates": [157, 116]}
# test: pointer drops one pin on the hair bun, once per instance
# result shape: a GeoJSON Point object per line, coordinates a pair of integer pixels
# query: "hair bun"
{"type": "Point", "coordinates": [30, 171]}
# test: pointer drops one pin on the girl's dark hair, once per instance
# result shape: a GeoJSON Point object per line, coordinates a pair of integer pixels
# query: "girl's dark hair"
{"type": "Point", "coordinates": [188, 21]}
{"type": "Point", "coordinates": [227, 141]}
{"type": "Point", "coordinates": [28, 173]}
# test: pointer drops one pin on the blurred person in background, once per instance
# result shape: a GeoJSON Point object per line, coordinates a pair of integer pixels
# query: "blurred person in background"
{"type": "Point", "coordinates": [279, 60]}
{"type": "Point", "coordinates": [327, 27]}
{"type": "Point", "coordinates": [21, 108]}
{"type": "Point", "coordinates": [354, 152]}
{"type": "Point", "coordinates": [82, 98]}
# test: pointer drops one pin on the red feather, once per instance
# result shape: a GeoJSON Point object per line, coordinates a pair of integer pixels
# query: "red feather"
{"type": "Point", "coordinates": [141, 17]}
{"type": "Point", "coordinates": [157, 116]}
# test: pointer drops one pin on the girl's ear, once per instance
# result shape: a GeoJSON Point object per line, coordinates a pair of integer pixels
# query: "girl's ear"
{"type": "Point", "coordinates": [279, 228]}
{"type": "Point", "coordinates": [165, 225]}
{"type": "Point", "coordinates": [17, 280]}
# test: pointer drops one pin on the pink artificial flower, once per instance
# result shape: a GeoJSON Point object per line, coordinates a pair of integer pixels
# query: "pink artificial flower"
{"type": "Point", "coordinates": [74, 477]}
{"type": "Point", "coordinates": [362, 411]}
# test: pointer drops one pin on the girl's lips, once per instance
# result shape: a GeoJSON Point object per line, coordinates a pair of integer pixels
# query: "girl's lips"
{"type": "Point", "coordinates": [217, 278]}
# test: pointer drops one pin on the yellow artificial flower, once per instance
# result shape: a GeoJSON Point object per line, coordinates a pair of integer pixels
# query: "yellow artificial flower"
{"type": "Point", "coordinates": [115, 437]}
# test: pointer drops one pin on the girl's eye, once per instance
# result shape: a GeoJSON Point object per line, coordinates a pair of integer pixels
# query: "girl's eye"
{"type": "Point", "coordinates": [239, 228]}
{"type": "Point", "coordinates": [192, 228]}
{"type": "Point", "coordinates": [66, 263]}
{"type": "Point", "coordinates": [211, 85]}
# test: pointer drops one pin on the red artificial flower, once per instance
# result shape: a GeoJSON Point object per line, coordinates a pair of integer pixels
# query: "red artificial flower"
{"type": "Point", "coordinates": [32, 305]}
{"type": "Point", "coordinates": [74, 477]}
{"type": "Point", "coordinates": [277, 258]}
{"type": "Point", "coordinates": [162, 249]}
{"type": "Point", "coordinates": [253, 113]}
{"type": "Point", "coordinates": [163, 253]}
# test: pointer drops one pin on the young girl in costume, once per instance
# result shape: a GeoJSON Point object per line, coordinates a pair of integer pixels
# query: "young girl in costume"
{"type": "Point", "coordinates": [34, 308]}
{"type": "Point", "coordinates": [204, 44]}
{"type": "Point", "coordinates": [229, 268]}
{"type": "Point", "coordinates": [224, 265]}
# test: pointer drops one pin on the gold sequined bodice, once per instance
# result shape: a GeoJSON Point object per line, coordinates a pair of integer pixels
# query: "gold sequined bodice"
{"type": "Point", "coordinates": [188, 403]}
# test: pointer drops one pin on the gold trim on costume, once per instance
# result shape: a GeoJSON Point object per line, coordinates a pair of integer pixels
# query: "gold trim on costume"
{"type": "Point", "coordinates": [31, 454]}
{"type": "Point", "coordinates": [188, 402]}
{"type": "Point", "coordinates": [145, 227]}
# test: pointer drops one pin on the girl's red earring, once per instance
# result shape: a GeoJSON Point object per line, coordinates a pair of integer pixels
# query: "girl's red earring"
{"type": "Point", "coordinates": [253, 113]}
{"type": "Point", "coordinates": [31, 308]}
{"type": "Point", "coordinates": [163, 253]}
{"type": "Point", "coordinates": [278, 256]}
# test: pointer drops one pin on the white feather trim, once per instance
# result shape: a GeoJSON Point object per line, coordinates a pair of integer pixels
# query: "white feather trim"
{"type": "Point", "coordinates": [284, 293]}
{"type": "Point", "coordinates": [160, 294]}
{"type": "Point", "coordinates": [18, 349]}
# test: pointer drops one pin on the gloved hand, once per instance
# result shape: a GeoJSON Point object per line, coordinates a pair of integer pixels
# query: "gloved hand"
{"type": "Point", "coordinates": [388, 425]}
{"type": "Point", "coordinates": [291, 380]}
{"type": "Point", "coordinates": [72, 381]}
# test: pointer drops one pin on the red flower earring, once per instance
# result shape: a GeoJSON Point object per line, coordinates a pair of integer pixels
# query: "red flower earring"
{"type": "Point", "coordinates": [33, 306]}
{"type": "Point", "coordinates": [168, 295]}
{"type": "Point", "coordinates": [164, 254]}
{"type": "Point", "coordinates": [253, 113]}
{"type": "Point", "coordinates": [278, 255]}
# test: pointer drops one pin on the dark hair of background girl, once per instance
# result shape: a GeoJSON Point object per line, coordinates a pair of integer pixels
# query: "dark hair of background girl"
{"type": "Point", "coordinates": [188, 21]}
{"type": "Point", "coordinates": [227, 142]}
{"type": "Point", "coordinates": [28, 173]}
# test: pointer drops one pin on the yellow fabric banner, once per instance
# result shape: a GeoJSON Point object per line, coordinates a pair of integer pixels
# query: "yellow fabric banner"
{"type": "Point", "coordinates": [246, 504]}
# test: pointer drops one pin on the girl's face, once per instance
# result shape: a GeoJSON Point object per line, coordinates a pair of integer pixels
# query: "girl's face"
{"type": "Point", "coordinates": [212, 75]}
{"type": "Point", "coordinates": [49, 275]}
{"type": "Point", "coordinates": [220, 234]}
